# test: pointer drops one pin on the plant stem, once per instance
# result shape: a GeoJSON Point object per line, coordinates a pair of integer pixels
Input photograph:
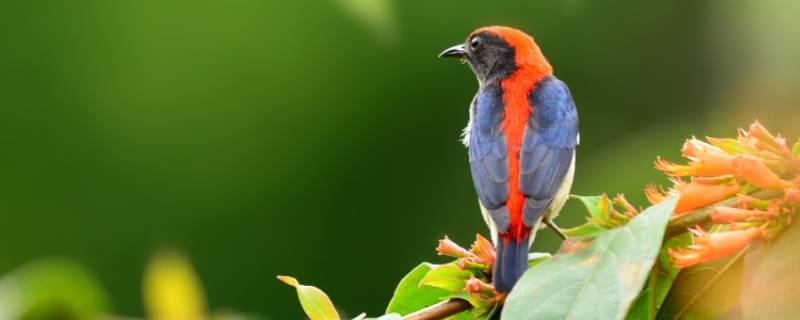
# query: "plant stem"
{"type": "Point", "coordinates": [440, 310]}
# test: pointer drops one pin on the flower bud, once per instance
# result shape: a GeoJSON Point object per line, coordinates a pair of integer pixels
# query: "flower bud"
{"type": "Point", "coordinates": [754, 171]}
{"type": "Point", "coordinates": [449, 248]}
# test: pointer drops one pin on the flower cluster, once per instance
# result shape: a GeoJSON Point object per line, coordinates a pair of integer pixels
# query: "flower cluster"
{"type": "Point", "coordinates": [751, 183]}
{"type": "Point", "coordinates": [477, 262]}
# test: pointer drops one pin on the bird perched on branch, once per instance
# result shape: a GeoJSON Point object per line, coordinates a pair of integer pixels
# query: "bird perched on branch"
{"type": "Point", "coordinates": [522, 134]}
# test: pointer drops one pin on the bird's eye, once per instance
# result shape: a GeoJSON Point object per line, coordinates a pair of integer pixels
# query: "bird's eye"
{"type": "Point", "coordinates": [475, 43]}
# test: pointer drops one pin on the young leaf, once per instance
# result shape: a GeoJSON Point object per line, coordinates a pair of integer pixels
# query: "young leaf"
{"type": "Point", "coordinates": [595, 205]}
{"type": "Point", "coordinates": [598, 281]}
{"type": "Point", "coordinates": [172, 289]}
{"type": "Point", "coordinates": [410, 296]}
{"type": "Point", "coordinates": [771, 278]}
{"type": "Point", "coordinates": [659, 282]}
{"type": "Point", "coordinates": [448, 277]}
{"type": "Point", "coordinates": [704, 291]}
{"type": "Point", "coordinates": [315, 303]}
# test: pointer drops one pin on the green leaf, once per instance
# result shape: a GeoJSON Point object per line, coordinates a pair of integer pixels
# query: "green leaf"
{"type": "Point", "coordinates": [704, 291]}
{"type": "Point", "coordinates": [448, 277]}
{"type": "Point", "coordinates": [410, 296]}
{"type": "Point", "coordinates": [316, 303]}
{"type": "Point", "coordinates": [659, 282]}
{"type": "Point", "coordinates": [586, 230]}
{"type": "Point", "coordinates": [796, 149]}
{"type": "Point", "coordinates": [536, 258]}
{"type": "Point", "coordinates": [51, 288]}
{"type": "Point", "coordinates": [771, 278]}
{"type": "Point", "coordinates": [729, 145]}
{"type": "Point", "coordinates": [594, 204]}
{"type": "Point", "coordinates": [600, 279]}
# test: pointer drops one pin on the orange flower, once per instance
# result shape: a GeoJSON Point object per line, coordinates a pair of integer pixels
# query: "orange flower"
{"type": "Point", "coordinates": [792, 195]}
{"type": "Point", "coordinates": [754, 171]}
{"type": "Point", "coordinates": [702, 192]}
{"type": "Point", "coordinates": [705, 160]}
{"type": "Point", "coordinates": [475, 285]}
{"type": "Point", "coordinates": [481, 292]}
{"type": "Point", "coordinates": [709, 247]}
{"type": "Point", "coordinates": [483, 250]}
{"type": "Point", "coordinates": [449, 248]}
{"type": "Point", "coordinates": [724, 215]}
{"type": "Point", "coordinates": [655, 194]}
{"type": "Point", "coordinates": [765, 140]}
{"type": "Point", "coordinates": [622, 204]}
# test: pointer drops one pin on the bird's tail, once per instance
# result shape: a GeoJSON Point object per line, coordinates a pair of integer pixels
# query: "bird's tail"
{"type": "Point", "coordinates": [511, 263]}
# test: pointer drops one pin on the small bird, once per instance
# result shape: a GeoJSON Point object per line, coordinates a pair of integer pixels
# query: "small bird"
{"type": "Point", "coordinates": [521, 136]}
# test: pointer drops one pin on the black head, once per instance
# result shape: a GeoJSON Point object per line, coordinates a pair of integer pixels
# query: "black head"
{"type": "Point", "coordinates": [489, 55]}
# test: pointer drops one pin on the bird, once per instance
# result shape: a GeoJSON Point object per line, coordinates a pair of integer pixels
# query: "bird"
{"type": "Point", "coordinates": [521, 139]}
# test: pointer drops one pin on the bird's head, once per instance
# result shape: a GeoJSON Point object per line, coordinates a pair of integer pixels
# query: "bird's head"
{"type": "Point", "coordinates": [496, 52]}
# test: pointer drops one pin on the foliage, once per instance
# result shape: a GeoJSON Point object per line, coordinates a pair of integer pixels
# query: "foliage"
{"type": "Point", "coordinates": [622, 263]}
{"type": "Point", "coordinates": [733, 253]}
{"type": "Point", "coordinates": [600, 278]}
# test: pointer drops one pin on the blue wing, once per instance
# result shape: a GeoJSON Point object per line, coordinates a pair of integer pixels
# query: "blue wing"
{"type": "Point", "coordinates": [488, 154]}
{"type": "Point", "coordinates": [548, 146]}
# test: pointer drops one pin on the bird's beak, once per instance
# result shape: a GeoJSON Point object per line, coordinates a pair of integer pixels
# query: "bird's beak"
{"type": "Point", "coordinates": [454, 51]}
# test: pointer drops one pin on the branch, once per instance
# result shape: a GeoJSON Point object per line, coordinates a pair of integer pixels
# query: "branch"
{"type": "Point", "coordinates": [440, 310]}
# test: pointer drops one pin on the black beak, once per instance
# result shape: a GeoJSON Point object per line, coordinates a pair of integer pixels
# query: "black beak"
{"type": "Point", "coordinates": [454, 51]}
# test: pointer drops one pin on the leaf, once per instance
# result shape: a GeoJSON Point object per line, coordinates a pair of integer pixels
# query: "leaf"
{"type": "Point", "coordinates": [598, 281]}
{"type": "Point", "coordinates": [586, 230]}
{"type": "Point", "coordinates": [796, 149]}
{"type": "Point", "coordinates": [172, 290]}
{"type": "Point", "coordinates": [410, 296]}
{"type": "Point", "coordinates": [771, 278]}
{"type": "Point", "coordinates": [448, 277]}
{"type": "Point", "coordinates": [729, 145]}
{"type": "Point", "coordinates": [659, 282]}
{"type": "Point", "coordinates": [316, 303]}
{"type": "Point", "coordinates": [596, 205]}
{"type": "Point", "coordinates": [704, 291]}
{"type": "Point", "coordinates": [50, 289]}
{"type": "Point", "coordinates": [536, 258]}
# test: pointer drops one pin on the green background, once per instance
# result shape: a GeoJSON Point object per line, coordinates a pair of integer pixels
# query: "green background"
{"type": "Point", "coordinates": [319, 139]}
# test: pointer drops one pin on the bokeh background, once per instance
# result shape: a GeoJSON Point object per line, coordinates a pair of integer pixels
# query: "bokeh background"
{"type": "Point", "coordinates": [319, 139]}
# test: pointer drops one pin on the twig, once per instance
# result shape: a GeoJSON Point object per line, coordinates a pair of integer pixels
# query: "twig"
{"type": "Point", "coordinates": [440, 310]}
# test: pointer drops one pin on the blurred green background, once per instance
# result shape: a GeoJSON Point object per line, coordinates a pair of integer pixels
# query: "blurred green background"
{"type": "Point", "coordinates": [319, 139]}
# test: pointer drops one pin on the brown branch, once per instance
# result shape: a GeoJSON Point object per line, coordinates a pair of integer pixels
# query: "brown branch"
{"type": "Point", "coordinates": [440, 310]}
